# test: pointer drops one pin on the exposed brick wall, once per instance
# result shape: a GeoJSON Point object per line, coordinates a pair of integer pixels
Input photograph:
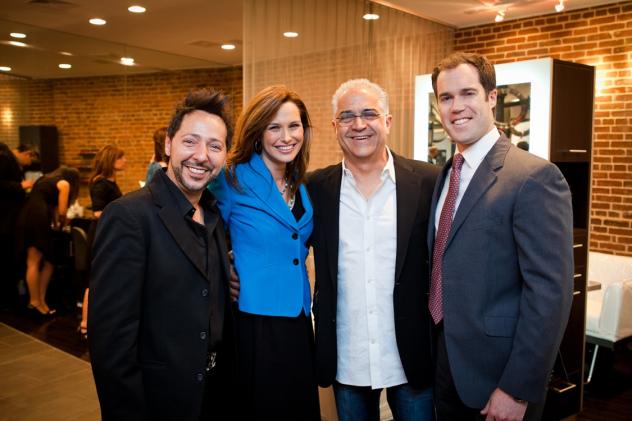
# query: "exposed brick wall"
{"type": "Point", "coordinates": [601, 37]}
{"type": "Point", "coordinates": [92, 112]}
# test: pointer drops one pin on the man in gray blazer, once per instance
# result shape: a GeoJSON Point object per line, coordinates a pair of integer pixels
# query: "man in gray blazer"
{"type": "Point", "coordinates": [500, 232]}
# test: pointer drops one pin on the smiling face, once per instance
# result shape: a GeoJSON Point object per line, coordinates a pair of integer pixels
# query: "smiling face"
{"type": "Point", "coordinates": [197, 152]}
{"type": "Point", "coordinates": [466, 111]}
{"type": "Point", "coordinates": [363, 140]}
{"type": "Point", "coordinates": [283, 137]}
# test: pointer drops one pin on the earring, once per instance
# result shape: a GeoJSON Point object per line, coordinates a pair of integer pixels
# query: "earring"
{"type": "Point", "coordinates": [258, 146]}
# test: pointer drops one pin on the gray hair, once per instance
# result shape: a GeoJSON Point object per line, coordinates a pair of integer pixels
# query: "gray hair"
{"type": "Point", "coordinates": [382, 96]}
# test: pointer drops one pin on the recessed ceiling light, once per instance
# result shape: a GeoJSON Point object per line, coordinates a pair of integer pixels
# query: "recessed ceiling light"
{"type": "Point", "coordinates": [97, 21]}
{"type": "Point", "coordinates": [290, 34]}
{"type": "Point", "coordinates": [136, 9]}
{"type": "Point", "coordinates": [65, 53]}
{"type": "Point", "coordinates": [17, 35]}
{"type": "Point", "coordinates": [228, 46]}
{"type": "Point", "coordinates": [127, 61]}
{"type": "Point", "coordinates": [371, 16]}
{"type": "Point", "coordinates": [65, 66]}
{"type": "Point", "coordinates": [5, 69]}
{"type": "Point", "coordinates": [17, 43]}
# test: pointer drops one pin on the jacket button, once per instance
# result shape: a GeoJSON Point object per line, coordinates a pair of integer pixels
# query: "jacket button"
{"type": "Point", "coordinates": [295, 261]}
{"type": "Point", "coordinates": [202, 335]}
{"type": "Point", "coordinates": [199, 377]}
{"type": "Point", "coordinates": [204, 292]}
{"type": "Point", "coordinates": [294, 236]}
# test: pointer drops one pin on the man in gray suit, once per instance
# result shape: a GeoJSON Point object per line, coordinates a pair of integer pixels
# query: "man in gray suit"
{"type": "Point", "coordinates": [502, 263]}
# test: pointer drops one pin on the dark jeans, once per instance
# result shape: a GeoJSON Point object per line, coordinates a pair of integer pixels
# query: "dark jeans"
{"type": "Point", "coordinates": [357, 403]}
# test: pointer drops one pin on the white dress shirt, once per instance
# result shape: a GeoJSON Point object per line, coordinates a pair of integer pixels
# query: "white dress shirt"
{"type": "Point", "coordinates": [472, 158]}
{"type": "Point", "coordinates": [365, 322]}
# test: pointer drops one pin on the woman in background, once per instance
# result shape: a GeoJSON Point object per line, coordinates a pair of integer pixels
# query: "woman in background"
{"type": "Point", "coordinates": [103, 190]}
{"type": "Point", "coordinates": [268, 214]}
{"type": "Point", "coordinates": [160, 159]}
{"type": "Point", "coordinates": [45, 208]}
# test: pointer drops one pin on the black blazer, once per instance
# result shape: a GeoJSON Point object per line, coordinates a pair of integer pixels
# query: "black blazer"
{"type": "Point", "coordinates": [414, 183]}
{"type": "Point", "coordinates": [150, 305]}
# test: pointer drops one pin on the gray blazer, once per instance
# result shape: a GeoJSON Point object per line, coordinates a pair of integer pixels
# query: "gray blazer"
{"type": "Point", "coordinates": [507, 275]}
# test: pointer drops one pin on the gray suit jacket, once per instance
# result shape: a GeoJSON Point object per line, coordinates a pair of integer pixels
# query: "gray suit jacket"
{"type": "Point", "coordinates": [507, 275]}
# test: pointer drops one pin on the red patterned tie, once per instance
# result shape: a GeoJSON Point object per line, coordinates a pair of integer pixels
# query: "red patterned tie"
{"type": "Point", "coordinates": [435, 304]}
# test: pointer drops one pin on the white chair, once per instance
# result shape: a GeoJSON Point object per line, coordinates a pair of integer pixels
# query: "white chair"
{"type": "Point", "coordinates": [609, 309]}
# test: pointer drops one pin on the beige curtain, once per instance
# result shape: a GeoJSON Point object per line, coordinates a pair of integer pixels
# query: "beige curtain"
{"type": "Point", "coordinates": [335, 44]}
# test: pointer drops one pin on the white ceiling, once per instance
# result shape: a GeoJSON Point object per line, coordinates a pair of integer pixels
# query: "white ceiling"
{"type": "Point", "coordinates": [180, 34]}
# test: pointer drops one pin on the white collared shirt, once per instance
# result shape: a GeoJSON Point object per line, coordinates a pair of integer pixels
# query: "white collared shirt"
{"type": "Point", "coordinates": [472, 158]}
{"type": "Point", "coordinates": [367, 247]}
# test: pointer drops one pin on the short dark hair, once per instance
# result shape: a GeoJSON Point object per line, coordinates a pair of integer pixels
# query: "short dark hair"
{"type": "Point", "coordinates": [24, 148]}
{"type": "Point", "coordinates": [205, 99]}
{"type": "Point", "coordinates": [486, 72]}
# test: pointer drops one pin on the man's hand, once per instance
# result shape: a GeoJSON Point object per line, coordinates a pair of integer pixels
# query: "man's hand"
{"type": "Point", "coordinates": [233, 283]}
{"type": "Point", "coordinates": [27, 184]}
{"type": "Point", "coordinates": [503, 407]}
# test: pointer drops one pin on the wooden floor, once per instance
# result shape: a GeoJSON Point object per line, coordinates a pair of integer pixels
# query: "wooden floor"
{"type": "Point", "coordinates": [607, 398]}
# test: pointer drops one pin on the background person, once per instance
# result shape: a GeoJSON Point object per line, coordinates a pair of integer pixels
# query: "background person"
{"type": "Point", "coordinates": [44, 211]}
{"type": "Point", "coordinates": [13, 189]}
{"type": "Point", "coordinates": [159, 160]}
{"type": "Point", "coordinates": [269, 216]}
{"type": "Point", "coordinates": [103, 189]}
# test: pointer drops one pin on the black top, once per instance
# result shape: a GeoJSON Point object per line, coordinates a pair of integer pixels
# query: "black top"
{"type": "Point", "coordinates": [102, 192]}
{"type": "Point", "coordinates": [11, 192]}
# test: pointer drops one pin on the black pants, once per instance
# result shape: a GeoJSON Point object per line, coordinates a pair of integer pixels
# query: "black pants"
{"type": "Point", "coordinates": [448, 404]}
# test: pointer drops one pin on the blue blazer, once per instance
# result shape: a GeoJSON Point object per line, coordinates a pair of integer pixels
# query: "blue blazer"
{"type": "Point", "coordinates": [269, 244]}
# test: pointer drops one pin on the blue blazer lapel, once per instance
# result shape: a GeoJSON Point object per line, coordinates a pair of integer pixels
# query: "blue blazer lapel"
{"type": "Point", "coordinates": [256, 177]}
{"type": "Point", "coordinates": [484, 178]}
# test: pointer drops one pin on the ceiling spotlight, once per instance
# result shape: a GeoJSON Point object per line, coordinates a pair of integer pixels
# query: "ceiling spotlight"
{"type": "Point", "coordinates": [290, 34]}
{"type": "Point", "coordinates": [65, 66]}
{"type": "Point", "coordinates": [65, 53]}
{"type": "Point", "coordinates": [5, 69]}
{"type": "Point", "coordinates": [136, 9]}
{"type": "Point", "coordinates": [17, 43]}
{"type": "Point", "coordinates": [17, 35]}
{"type": "Point", "coordinates": [500, 16]}
{"type": "Point", "coordinates": [127, 61]}
{"type": "Point", "coordinates": [371, 16]}
{"type": "Point", "coordinates": [228, 46]}
{"type": "Point", "coordinates": [97, 21]}
{"type": "Point", "coordinates": [560, 6]}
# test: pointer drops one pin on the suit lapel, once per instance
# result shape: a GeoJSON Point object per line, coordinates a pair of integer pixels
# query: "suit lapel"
{"type": "Point", "coordinates": [484, 178]}
{"type": "Point", "coordinates": [176, 224]}
{"type": "Point", "coordinates": [331, 218]}
{"type": "Point", "coordinates": [407, 194]}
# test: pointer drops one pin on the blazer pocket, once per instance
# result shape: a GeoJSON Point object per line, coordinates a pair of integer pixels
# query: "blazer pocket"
{"type": "Point", "coordinates": [500, 326]}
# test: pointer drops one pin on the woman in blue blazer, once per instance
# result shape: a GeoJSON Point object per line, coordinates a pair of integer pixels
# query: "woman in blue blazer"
{"type": "Point", "coordinates": [268, 214]}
